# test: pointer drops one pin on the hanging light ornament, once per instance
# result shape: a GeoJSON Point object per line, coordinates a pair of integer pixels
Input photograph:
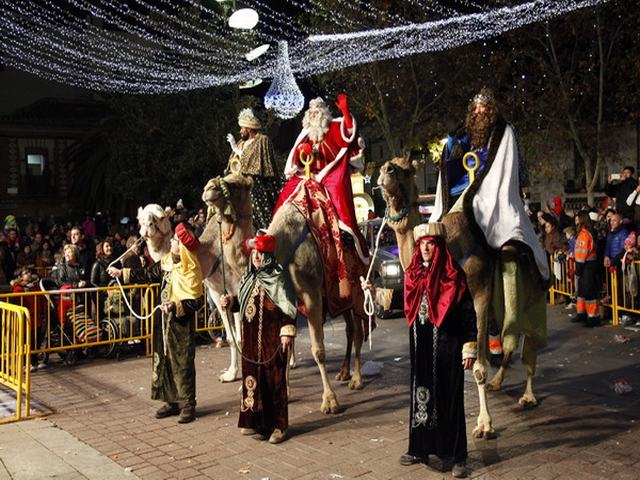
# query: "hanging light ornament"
{"type": "Point", "coordinates": [284, 95]}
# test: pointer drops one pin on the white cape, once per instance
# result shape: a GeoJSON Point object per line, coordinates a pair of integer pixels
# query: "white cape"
{"type": "Point", "coordinates": [497, 206]}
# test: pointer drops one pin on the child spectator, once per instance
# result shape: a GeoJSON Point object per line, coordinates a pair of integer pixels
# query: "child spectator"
{"type": "Point", "coordinates": [570, 236]}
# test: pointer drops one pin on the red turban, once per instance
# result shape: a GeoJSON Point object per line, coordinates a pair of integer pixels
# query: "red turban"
{"type": "Point", "coordinates": [262, 243]}
{"type": "Point", "coordinates": [187, 238]}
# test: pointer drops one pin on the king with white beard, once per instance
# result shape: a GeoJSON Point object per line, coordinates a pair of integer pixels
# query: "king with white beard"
{"type": "Point", "coordinates": [334, 150]}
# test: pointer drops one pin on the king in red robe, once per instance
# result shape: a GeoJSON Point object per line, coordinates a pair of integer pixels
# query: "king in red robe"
{"type": "Point", "coordinates": [332, 147]}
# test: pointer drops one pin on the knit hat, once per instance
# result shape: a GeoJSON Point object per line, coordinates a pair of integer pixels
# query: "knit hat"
{"type": "Point", "coordinates": [630, 240]}
{"type": "Point", "coordinates": [247, 119]}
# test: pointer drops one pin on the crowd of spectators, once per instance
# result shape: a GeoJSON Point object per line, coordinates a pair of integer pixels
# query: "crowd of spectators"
{"type": "Point", "coordinates": [614, 228]}
{"type": "Point", "coordinates": [75, 253]}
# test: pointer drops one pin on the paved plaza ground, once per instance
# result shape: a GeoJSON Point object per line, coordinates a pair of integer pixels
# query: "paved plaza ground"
{"type": "Point", "coordinates": [105, 425]}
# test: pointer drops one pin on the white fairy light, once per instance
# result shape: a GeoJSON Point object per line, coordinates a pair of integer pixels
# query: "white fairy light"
{"type": "Point", "coordinates": [284, 95]}
{"type": "Point", "coordinates": [183, 44]}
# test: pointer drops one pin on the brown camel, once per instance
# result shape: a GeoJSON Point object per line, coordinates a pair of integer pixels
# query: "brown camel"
{"type": "Point", "coordinates": [480, 265]}
{"type": "Point", "coordinates": [305, 268]}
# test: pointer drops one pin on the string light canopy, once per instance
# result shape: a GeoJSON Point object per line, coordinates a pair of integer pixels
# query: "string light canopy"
{"type": "Point", "coordinates": [162, 46]}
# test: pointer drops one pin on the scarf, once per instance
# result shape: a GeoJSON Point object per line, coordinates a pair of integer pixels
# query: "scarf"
{"type": "Point", "coordinates": [275, 281]}
{"type": "Point", "coordinates": [443, 281]}
{"type": "Point", "coordinates": [185, 281]}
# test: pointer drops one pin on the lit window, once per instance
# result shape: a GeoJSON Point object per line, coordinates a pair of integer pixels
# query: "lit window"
{"type": "Point", "coordinates": [35, 164]}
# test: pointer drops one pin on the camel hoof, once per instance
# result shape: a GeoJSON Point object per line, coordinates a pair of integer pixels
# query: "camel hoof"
{"type": "Point", "coordinates": [483, 432]}
{"type": "Point", "coordinates": [527, 402]}
{"type": "Point", "coordinates": [330, 405]}
{"type": "Point", "coordinates": [343, 376]}
{"type": "Point", "coordinates": [229, 376]}
{"type": "Point", "coordinates": [356, 384]}
{"type": "Point", "coordinates": [494, 387]}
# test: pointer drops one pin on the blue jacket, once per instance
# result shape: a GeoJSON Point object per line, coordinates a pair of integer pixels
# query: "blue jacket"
{"type": "Point", "coordinates": [614, 246]}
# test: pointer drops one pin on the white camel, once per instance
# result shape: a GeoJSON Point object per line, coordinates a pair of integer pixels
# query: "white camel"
{"type": "Point", "coordinates": [155, 227]}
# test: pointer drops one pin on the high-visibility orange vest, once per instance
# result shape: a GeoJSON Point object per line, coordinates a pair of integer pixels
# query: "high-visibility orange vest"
{"type": "Point", "coordinates": [585, 246]}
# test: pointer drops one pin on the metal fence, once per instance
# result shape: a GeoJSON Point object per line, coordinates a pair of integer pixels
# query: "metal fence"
{"type": "Point", "coordinates": [14, 357]}
{"type": "Point", "coordinates": [621, 292]}
{"type": "Point", "coordinates": [94, 318]}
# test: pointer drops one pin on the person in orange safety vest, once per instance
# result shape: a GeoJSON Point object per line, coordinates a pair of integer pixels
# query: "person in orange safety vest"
{"type": "Point", "coordinates": [587, 273]}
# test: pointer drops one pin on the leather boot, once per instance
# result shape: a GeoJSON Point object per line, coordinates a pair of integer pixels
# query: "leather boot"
{"type": "Point", "coordinates": [168, 410]}
{"type": "Point", "coordinates": [187, 414]}
{"type": "Point", "coordinates": [278, 436]}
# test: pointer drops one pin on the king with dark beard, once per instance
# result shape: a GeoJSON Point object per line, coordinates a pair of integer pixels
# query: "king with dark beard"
{"type": "Point", "coordinates": [492, 201]}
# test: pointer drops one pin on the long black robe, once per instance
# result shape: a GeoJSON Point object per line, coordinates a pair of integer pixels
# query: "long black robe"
{"type": "Point", "coordinates": [440, 431]}
{"type": "Point", "coordinates": [174, 367]}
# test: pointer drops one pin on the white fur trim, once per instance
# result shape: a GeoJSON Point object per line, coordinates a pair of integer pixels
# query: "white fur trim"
{"type": "Point", "coordinates": [469, 350]}
{"type": "Point", "coordinates": [292, 169]}
{"type": "Point", "coordinates": [346, 136]}
{"type": "Point", "coordinates": [356, 242]}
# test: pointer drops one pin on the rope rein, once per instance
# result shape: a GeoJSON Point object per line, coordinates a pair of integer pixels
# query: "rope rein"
{"type": "Point", "coordinates": [122, 292]}
{"type": "Point", "coordinates": [227, 312]}
{"type": "Point", "coordinates": [369, 305]}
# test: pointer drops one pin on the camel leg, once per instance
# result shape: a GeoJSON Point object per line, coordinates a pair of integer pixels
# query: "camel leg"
{"type": "Point", "coordinates": [292, 364]}
{"type": "Point", "coordinates": [345, 374]}
{"type": "Point", "coordinates": [496, 382]}
{"type": "Point", "coordinates": [529, 359]}
{"type": "Point", "coordinates": [358, 337]}
{"type": "Point", "coordinates": [316, 334]}
{"type": "Point", "coordinates": [288, 368]}
{"type": "Point", "coordinates": [483, 428]}
{"type": "Point", "coordinates": [233, 330]}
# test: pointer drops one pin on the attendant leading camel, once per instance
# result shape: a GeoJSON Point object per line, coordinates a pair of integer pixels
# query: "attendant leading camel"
{"type": "Point", "coordinates": [155, 226]}
{"type": "Point", "coordinates": [479, 263]}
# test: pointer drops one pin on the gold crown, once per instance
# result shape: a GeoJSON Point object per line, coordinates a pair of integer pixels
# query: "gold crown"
{"type": "Point", "coordinates": [435, 229]}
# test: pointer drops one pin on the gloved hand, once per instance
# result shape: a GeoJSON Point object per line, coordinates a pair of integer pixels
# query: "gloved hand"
{"type": "Point", "coordinates": [343, 105]}
{"type": "Point", "coordinates": [234, 145]}
{"type": "Point", "coordinates": [305, 149]}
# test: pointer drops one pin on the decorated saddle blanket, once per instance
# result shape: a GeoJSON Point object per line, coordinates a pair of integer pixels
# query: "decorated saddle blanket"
{"type": "Point", "coordinates": [342, 265]}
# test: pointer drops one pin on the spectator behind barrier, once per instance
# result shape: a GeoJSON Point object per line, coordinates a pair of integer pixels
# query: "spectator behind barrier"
{"type": "Point", "coordinates": [614, 246]}
{"type": "Point", "coordinates": [68, 270]}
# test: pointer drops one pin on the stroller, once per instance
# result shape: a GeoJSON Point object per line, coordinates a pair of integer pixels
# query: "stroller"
{"type": "Point", "coordinates": [116, 311]}
{"type": "Point", "coordinates": [75, 325]}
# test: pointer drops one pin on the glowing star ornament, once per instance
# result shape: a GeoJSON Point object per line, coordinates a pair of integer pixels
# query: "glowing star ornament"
{"type": "Point", "coordinates": [284, 95]}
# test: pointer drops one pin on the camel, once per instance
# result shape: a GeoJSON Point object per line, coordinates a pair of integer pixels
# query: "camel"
{"type": "Point", "coordinates": [156, 228]}
{"type": "Point", "coordinates": [306, 269]}
{"type": "Point", "coordinates": [480, 265]}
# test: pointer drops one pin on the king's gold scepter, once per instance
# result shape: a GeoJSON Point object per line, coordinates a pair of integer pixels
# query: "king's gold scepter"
{"type": "Point", "coordinates": [307, 163]}
{"type": "Point", "coordinates": [471, 168]}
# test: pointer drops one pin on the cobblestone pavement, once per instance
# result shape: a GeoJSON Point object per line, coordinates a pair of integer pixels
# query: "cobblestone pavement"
{"type": "Point", "coordinates": [581, 429]}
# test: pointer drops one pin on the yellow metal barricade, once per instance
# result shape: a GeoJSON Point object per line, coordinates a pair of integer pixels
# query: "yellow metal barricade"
{"type": "Point", "coordinates": [563, 280]}
{"type": "Point", "coordinates": [14, 357]}
{"type": "Point", "coordinates": [67, 319]}
{"type": "Point", "coordinates": [621, 291]}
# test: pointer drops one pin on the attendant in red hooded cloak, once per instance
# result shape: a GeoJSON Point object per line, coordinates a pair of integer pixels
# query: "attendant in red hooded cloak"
{"type": "Point", "coordinates": [442, 337]}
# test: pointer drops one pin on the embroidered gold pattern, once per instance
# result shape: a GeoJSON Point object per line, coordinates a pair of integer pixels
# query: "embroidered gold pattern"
{"type": "Point", "coordinates": [248, 402]}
